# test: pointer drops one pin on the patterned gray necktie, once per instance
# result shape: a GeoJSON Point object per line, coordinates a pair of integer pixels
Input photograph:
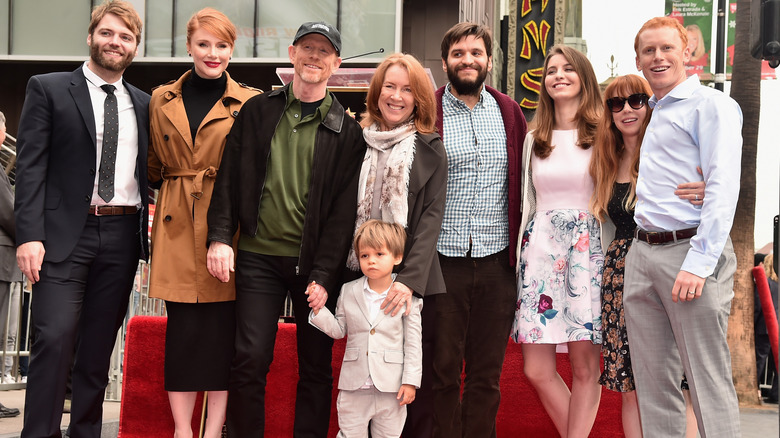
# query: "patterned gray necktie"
{"type": "Point", "coordinates": [110, 140]}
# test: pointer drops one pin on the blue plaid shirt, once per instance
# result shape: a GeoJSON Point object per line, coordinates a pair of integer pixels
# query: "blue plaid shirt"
{"type": "Point", "coordinates": [475, 216]}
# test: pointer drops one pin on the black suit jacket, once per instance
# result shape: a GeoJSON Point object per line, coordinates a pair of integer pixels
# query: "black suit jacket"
{"type": "Point", "coordinates": [56, 153]}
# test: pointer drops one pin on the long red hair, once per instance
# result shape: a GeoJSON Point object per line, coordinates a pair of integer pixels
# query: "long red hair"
{"type": "Point", "coordinates": [609, 148]}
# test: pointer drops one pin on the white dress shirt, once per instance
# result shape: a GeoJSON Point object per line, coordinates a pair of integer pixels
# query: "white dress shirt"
{"type": "Point", "coordinates": [373, 302]}
{"type": "Point", "coordinates": [126, 190]}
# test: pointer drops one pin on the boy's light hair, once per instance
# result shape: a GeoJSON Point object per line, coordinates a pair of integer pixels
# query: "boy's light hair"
{"type": "Point", "coordinates": [375, 234]}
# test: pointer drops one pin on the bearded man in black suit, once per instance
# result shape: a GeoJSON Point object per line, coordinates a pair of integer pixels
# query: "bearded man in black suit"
{"type": "Point", "coordinates": [81, 219]}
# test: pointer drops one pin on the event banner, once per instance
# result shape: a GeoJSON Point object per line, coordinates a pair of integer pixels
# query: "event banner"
{"type": "Point", "coordinates": [697, 17]}
{"type": "Point", "coordinates": [535, 20]}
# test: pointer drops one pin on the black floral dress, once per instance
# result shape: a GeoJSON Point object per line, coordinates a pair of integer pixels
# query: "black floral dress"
{"type": "Point", "coordinates": [617, 375]}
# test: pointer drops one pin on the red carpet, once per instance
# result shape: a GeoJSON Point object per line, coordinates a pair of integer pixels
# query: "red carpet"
{"type": "Point", "coordinates": [521, 413]}
{"type": "Point", "coordinates": [145, 411]}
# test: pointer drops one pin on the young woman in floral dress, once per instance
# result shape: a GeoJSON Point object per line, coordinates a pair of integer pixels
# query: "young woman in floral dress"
{"type": "Point", "coordinates": [560, 252]}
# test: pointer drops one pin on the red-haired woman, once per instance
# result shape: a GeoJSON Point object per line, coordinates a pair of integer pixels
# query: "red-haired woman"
{"type": "Point", "coordinates": [614, 168]}
{"type": "Point", "coordinates": [190, 119]}
{"type": "Point", "coordinates": [403, 180]}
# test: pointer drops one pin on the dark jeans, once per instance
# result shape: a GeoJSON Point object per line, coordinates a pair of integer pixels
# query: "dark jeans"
{"type": "Point", "coordinates": [473, 320]}
{"type": "Point", "coordinates": [262, 283]}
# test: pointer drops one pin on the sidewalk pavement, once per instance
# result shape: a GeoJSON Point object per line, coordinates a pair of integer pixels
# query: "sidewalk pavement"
{"type": "Point", "coordinates": [760, 422]}
{"type": "Point", "coordinates": [12, 427]}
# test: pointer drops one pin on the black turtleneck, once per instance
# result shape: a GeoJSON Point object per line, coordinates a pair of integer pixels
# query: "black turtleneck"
{"type": "Point", "coordinates": [199, 97]}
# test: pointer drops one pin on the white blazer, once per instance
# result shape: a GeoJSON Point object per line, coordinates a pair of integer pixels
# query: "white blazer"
{"type": "Point", "coordinates": [389, 349]}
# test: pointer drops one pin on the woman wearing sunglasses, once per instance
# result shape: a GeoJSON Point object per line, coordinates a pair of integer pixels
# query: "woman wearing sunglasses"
{"type": "Point", "coordinates": [559, 302]}
{"type": "Point", "coordinates": [614, 167]}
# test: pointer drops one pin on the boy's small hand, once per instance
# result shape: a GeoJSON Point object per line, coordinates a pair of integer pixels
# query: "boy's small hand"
{"type": "Point", "coordinates": [406, 394]}
{"type": "Point", "coordinates": [317, 296]}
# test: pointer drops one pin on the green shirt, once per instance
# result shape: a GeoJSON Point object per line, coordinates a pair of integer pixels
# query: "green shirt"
{"type": "Point", "coordinates": [285, 194]}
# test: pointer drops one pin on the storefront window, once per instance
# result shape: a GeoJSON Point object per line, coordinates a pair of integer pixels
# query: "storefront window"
{"type": "Point", "coordinates": [368, 25]}
{"type": "Point", "coordinates": [279, 20]}
{"type": "Point", "coordinates": [265, 27]}
{"type": "Point", "coordinates": [157, 29]}
{"type": "Point", "coordinates": [50, 27]}
{"type": "Point", "coordinates": [4, 26]}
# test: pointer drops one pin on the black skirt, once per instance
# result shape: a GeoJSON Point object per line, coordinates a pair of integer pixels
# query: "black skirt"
{"type": "Point", "coordinates": [199, 345]}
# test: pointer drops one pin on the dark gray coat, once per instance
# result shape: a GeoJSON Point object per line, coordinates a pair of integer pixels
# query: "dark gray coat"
{"type": "Point", "coordinates": [9, 271]}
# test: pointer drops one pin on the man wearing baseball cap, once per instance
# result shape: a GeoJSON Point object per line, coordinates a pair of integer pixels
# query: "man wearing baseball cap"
{"type": "Point", "coordinates": [288, 181]}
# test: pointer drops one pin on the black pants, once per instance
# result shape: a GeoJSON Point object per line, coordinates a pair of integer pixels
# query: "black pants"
{"type": "Point", "coordinates": [78, 305]}
{"type": "Point", "coordinates": [262, 283]}
{"type": "Point", "coordinates": [473, 320]}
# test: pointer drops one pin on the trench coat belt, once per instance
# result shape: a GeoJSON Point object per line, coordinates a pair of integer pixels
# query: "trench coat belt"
{"type": "Point", "coordinates": [196, 175]}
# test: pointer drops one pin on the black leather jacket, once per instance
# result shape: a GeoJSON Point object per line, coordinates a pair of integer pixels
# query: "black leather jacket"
{"type": "Point", "coordinates": [330, 214]}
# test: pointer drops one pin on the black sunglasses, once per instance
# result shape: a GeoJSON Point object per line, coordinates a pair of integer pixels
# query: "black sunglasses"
{"type": "Point", "coordinates": [635, 101]}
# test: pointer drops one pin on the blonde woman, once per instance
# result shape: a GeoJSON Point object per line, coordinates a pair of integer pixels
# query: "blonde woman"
{"type": "Point", "coordinates": [698, 51]}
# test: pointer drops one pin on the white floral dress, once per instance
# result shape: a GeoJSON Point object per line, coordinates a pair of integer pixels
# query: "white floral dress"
{"type": "Point", "coordinates": [561, 260]}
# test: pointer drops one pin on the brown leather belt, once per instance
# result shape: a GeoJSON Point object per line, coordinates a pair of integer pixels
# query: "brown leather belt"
{"type": "Point", "coordinates": [112, 210]}
{"type": "Point", "coordinates": [661, 237]}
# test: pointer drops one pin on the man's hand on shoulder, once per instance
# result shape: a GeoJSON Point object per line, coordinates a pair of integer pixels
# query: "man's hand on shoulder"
{"type": "Point", "coordinates": [29, 257]}
{"type": "Point", "coordinates": [398, 296]}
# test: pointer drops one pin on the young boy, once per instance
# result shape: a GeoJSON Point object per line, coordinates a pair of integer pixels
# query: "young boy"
{"type": "Point", "coordinates": [383, 358]}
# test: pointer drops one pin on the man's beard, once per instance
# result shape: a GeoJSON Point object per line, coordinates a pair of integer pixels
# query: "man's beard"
{"type": "Point", "coordinates": [118, 65]}
{"type": "Point", "coordinates": [465, 87]}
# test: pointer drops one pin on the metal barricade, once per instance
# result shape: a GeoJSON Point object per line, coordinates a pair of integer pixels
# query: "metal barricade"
{"type": "Point", "coordinates": [17, 348]}
{"type": "Point", "coordinates": [14, 327]}
{"type": "Point", "coordinates": [140, 304]}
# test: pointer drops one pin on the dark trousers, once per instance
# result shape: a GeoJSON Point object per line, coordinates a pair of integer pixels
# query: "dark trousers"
{"type": "Point", "coordinates": [419, 414]}
{"type": "Point", "coordinates": [473, 320]}
{"type": "Point", "coordinates": [262, 283]}
{"type": "Point", "coordinates": [78, 305]}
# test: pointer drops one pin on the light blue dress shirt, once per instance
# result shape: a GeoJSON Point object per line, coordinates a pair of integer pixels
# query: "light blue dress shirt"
{"type": "Point", "coordinates": [693, 125]}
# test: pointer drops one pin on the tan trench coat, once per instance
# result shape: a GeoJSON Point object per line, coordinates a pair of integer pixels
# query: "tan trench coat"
{"type": "Point", "coordinates": [187, 171]}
